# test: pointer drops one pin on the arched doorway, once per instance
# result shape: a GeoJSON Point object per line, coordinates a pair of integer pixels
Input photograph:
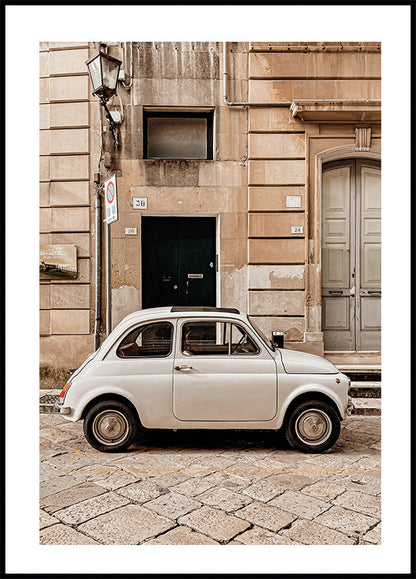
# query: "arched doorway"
{"type": "Point", "coordinates": [351, 255]}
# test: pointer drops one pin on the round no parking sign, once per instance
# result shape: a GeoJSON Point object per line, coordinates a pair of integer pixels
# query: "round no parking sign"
{"type": "Point", "coordinates": [110, 192]}
{"type": "Point", "coordinates": [110, 188]}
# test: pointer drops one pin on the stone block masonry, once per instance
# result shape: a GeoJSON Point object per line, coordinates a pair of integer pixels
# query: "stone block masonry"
{"type": "Point", "coordinates": [65, 215]}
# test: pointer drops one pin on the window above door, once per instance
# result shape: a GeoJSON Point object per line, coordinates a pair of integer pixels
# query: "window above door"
{"type": "Point", "coordinates": [178, 135]}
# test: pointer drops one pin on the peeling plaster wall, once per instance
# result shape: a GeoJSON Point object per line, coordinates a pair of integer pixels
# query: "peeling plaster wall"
{"type": "Point", "coordinates": [234, 287]}
{"type": "Point", "coordinates": [179, 75]}
{"type": "Point", "coordinates": [125, 300]}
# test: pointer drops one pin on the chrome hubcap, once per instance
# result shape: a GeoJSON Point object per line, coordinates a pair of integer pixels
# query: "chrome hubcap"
{"type": "Point", "coordinates": [110, 427]}
{"type": "Point", "coordinates": [313, 426]}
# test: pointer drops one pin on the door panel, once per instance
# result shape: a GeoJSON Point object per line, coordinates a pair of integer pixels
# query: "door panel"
{"type": "Point", "coordinates": [336, 257]}
{"type": "Point", "coordinates": [336, 313]}
{"type": "Point", "coordinates": [351, 256]}
{"type": "Point", "coordinates": [218, 390]}
{"type": "Point", "coordinates": [370, 228]}
{"type": "Point", "coordinates": [159, 262]}
{"type": "Point", "coordinates": [369, 279]}
{"type": "Point", "coordinates": [178, 261]}
{"type": "Point", "coordinates": [370, 313]}
{"type": "Point", "coordinates": [336, 242]}
{"type": "Point", "coordinates": [196, 271]}
{"type": "Point", "coordinates": [228, 388]}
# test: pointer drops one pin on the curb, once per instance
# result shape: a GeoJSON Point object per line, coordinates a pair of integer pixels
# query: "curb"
{"type": "Point", "coordinates": [363, 405]}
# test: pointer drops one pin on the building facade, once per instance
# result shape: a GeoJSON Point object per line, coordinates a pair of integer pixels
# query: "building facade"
{"type": "Point", "coordinates": [248, 176]}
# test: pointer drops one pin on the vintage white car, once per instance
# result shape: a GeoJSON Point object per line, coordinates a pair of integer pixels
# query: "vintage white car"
{"type": "Point", "coordinates": [202, 368]}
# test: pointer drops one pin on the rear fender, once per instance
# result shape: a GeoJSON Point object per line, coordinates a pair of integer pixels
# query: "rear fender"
{"type": "Point", "coordinates": [110, 391]}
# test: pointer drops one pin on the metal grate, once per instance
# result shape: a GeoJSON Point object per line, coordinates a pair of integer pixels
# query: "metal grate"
{"type": "Point", "coordinates": [48, 399]}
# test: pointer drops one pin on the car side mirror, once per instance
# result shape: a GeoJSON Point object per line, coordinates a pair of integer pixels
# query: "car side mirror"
{"type": "Point", "coordinates": [278, 340]}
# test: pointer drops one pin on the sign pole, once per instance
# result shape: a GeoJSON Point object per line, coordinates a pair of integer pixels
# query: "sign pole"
{"type": "Point", "coordinates": [111, 213]}
{"type": "Point", "coordinates": [108, 270]}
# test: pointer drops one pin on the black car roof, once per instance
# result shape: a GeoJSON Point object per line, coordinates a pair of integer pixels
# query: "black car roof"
{"type": "Point", "coordinates": [204, 309]}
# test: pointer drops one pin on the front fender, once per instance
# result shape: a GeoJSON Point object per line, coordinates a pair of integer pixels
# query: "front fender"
{"type": "Point", "coordinates": [286, 398]}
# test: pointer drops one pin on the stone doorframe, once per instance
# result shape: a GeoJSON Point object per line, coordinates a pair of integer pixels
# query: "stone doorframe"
{"type": "Point", "coordinates": [314, 309]}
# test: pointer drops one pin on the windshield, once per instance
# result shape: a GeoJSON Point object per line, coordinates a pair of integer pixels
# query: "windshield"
{"type": "Point", "coordinates": [260, 333]}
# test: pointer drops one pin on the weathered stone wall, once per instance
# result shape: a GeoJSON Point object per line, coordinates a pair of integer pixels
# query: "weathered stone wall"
{"type": "Point", "coordinates": [65, 305]}
{"type": "Point", "coordinates": [284, 271]}
{"type": "Point", "coordinates": [263, 157]}
{"type": "Point", "coordinates": [181, 75]}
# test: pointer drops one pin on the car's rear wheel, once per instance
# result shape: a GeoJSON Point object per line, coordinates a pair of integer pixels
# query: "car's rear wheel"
{"type": "Point", "coordinates": [313, 426]}
{"type": "Point", "coordinates": [110, 426]}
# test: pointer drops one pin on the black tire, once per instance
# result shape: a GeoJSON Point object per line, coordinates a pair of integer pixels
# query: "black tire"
{"type": "Point", "coordinates": [110, 426]}
{"type": "Point", "coordinates": [313, 426]}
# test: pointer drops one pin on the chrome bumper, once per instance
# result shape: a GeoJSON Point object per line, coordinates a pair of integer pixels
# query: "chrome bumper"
{"type": "Point", "coordinates": [350, 406]}
{"type": "Point", "coordinates": [62, 409]}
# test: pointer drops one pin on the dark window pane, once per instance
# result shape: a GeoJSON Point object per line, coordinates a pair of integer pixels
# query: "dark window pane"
{"type": "Point", "coordinates": [178, 136]}
{"type": "Point", "coordinates": [148, 340]}
{"type": "Point", "coordinates": [241, 343]}
{"type": "Point", "coordinates": [205, 338]}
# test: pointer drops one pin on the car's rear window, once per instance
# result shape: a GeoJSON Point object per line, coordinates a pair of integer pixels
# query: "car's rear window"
{"type": "Point", "coordinates": [149, 340]}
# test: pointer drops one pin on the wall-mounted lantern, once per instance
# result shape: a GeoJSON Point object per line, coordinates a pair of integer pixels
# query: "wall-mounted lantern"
{"type": "Point", "coordinates": [104, 72]}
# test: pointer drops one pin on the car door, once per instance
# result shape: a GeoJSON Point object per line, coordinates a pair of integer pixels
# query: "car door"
{"type": "Point", "coordinates": [222, 373]}
{"type": "Point", "coordinates": [141, 364]}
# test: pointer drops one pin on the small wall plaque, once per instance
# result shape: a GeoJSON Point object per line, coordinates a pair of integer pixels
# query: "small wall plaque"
{"type": "Point", "coordinates": [296, 229]}
{"type": "Point", "coordinates": [294, 201]}
{"type": "Point", "coordinates": [139, 203]}
{"type": "Point", "coordinates": [130, 230]}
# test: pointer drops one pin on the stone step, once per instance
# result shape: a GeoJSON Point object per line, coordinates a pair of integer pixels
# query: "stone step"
{"type": "Point", "coordinates": [367, 407]}
{"type": "Point", "coordinates": [365, 389]}
{"type": "Point", "coordinates": [356, 358]}
{"type": "Point", "coordinates": [362, 374]}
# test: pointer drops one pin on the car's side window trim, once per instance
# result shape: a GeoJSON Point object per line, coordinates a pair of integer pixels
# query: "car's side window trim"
{"type": "Point", "coordinates": [141, 327]}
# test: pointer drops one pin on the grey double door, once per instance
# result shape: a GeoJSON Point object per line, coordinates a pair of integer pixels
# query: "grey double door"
{"type": "Point", "coordinates": [351, 255]}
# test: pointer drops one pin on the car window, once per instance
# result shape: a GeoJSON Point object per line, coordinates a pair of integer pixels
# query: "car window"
{"type": "Point", "coordinates": [241, 343]}
{"type": "Point", "coordinates": [150, 340]}
{"type": "Point", "coordinates": [216, 339]}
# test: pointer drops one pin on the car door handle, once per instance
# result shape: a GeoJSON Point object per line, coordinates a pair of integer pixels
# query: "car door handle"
{"type": "Point", "coordinates": [183, 368]}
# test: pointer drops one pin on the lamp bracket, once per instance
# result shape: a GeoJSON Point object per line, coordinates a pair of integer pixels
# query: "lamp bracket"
{"type": "Point", "coordinates": [110, 121]}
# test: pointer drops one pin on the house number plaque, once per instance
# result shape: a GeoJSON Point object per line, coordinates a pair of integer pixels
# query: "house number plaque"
{"type": "Point", "coordinates": [139, 203]}
{"type": "Point", "coordinates": [294, 201]}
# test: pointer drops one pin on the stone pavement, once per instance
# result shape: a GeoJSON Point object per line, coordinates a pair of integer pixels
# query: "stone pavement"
{"type": "Point", "coordinates": [207, 487]}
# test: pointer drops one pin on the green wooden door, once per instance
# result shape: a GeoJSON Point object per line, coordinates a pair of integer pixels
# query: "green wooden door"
{"type": "Point", "coordinates": [178, 261]}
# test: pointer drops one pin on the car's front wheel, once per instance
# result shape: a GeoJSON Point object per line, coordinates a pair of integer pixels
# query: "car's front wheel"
{"type": "Point", "coordinates": [110, 426]}
{"type": "Point", "coordinates": [313, 426]}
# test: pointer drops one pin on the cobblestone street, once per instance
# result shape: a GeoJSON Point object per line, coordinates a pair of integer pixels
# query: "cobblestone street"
{"type": "Point", "coordinates": [206, 487]}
